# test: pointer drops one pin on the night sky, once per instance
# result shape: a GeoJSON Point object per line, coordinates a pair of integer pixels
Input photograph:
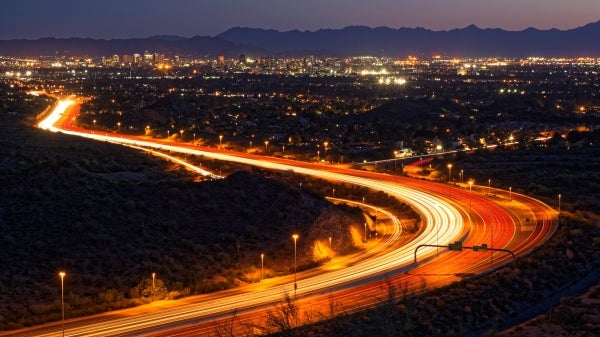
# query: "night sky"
{"type": "Point", "coordinates": [142, 18]}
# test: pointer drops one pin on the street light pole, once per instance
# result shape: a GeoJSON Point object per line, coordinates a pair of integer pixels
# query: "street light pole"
{"type": "Point", "coordinates": [450, 172]}
{"type": "Point", "coordinates": [559, 197]}
{"type": "Point", "coordinates": [470, 187]}
{"type": "Point", "coordinates": [489, 186]}
{"type": "Point", "coordinates": [153, 276]}
{"type": "Point", "coordinates": [62, 299]}
{"type": "Point", "coordinates": [510, 193]}
{"type": "Point", "coordinates": [266, 147]}
{"type": "Point", "coordinates": [262, 266]}
{"type": "Point", "coordinates": [295, 237]}
{"type": "Point", "coordinates": [365, 232]}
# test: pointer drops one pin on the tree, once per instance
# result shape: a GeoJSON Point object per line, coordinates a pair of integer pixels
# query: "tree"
{"type": "Point", "coordinates": [146, 290]}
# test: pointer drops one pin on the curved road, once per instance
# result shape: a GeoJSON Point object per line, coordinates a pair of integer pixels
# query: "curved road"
{"type": "Point", "coordinates": [448, 213]}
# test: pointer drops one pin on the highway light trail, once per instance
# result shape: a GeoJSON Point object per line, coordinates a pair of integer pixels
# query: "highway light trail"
{"type": "Point", "coordinates": [439, 217]}
{"type": "Point", "coordinates": [442, 218]}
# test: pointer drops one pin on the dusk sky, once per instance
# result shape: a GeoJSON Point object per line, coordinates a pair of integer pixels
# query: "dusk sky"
{"type": "Point", "coordinates": [142, 18]}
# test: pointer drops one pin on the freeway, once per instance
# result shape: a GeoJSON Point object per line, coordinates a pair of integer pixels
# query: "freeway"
{"type": "Point", "coordinates": [449, 214]}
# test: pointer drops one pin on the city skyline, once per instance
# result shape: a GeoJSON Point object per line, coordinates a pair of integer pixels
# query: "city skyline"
{"type": "Point", "coordinates": [31, 19]}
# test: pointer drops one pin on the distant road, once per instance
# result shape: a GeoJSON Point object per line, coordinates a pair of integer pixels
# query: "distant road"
{"type": "Point", "coordinates": [449, 214]}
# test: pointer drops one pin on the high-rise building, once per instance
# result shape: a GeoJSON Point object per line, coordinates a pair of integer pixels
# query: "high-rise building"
{"type": "Point", "coordinates": [158, 58]}
{"type": "Point", "coordinates": [148, 57]}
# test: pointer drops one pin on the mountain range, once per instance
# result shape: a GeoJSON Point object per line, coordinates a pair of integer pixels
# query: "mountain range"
{"type": "Point", "coordinates": [470, 41]}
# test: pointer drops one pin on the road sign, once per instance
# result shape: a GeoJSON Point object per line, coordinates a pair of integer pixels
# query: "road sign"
{"type": "Point", "coordinates": [482, 248]}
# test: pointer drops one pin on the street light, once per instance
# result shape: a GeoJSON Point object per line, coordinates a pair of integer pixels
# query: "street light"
{"type": "Point", "coordinates": [333, 193]}
{"type": "Point", "coordinates": [262, 266]}
{"type": "Point", "coordinates": [489, 186]}
{"type": "Point", "coordinates": [559, 196]}
{"type": "Point", "coordinates": [330, 242]}
{"type": "Point", "coordinates": [462, 180]}
{"type": "Point", "coordinates": [450, 172]}
{"type": "Point", "coordinates": [94, 124]}
{"type": "Point", "coordinates": [470, 186]}
{"type": "Point", "coordinates": [510, 193]}
{"type": "Point", "coordinates": [153, 276]}
{"type": "Point", "coordinates": [62, 299]}
{"type": "Point", "coordinates": [295, 237]}
{"type": "Point", "coordinates": [119, 126]}
{"type": "Point", "coordinates": [220, 140]}
{"type": "Point", "coordinates": [181, 131]}
{"type": "Point", "coordinates": [266, 146]}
